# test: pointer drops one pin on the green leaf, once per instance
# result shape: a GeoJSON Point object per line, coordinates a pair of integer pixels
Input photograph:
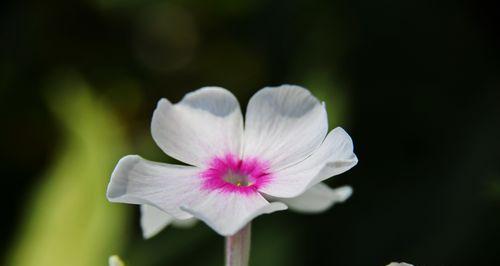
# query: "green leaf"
{"type": "Point", "coordinates": [68, 220]}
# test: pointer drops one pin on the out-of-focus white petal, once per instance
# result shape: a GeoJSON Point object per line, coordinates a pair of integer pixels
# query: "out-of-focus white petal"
{"type": "Point", "coordinates": [227, 212]}
{"type": "Point", "coordinates": [153, 220]}
{"type": "Point", "coordinates": [399, 264]}
{"type": "Point", "coordinates": [165, 186]}
{"type": "Point", "coordinates": [205, 123]}
{"type": "Point", "coordinates": [333, 157]}
{"type": "Point", "coordinates": [115, 261]}
{"type": "Point", "coordinates": [284, 125]}
{"type": "Point", "coordinates": [186, 223]}
{"type": "Point", "coordinates": [318, 198]}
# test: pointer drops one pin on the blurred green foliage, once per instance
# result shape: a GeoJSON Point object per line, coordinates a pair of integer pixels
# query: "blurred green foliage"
{"type": "Point", "coordinates": [333, 95]}
{"type": "Point", "coordinates": [68, 220]}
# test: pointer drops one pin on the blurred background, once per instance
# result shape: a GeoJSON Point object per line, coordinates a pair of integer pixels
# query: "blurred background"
{"type": "Point", "coordinates": [415, 83]}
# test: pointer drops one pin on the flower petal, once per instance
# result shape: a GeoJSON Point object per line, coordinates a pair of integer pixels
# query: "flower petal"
{"type": "Point", "coordinates": [184, 223]}
{"type": "Point", "coordinates": [342, 158]}
{"type": "Point", "coordinates": [227, 213]}
{"type": "Point", "coordinates": [205, 123]}
{"type": "Point", "coordinates": [115, 261]}
{"type": "Point", "coordinates": [165, 186]}
{"type": "Point", "coordinates": [399, 264]}
{"type": "Point", "coordinates": [284, 125]}
{"type": "Point", "coordinates": [333, 157]}
{"type": "Point", "coordinates": [318, 198]}
{"type": "Point", "coordinates": [153, 220]}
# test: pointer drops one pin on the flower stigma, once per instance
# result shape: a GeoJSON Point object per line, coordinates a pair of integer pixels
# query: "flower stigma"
{"type": "Point", "coordinates": [238, 179]}
{"type": "Point", "coordinates": [229, 173]}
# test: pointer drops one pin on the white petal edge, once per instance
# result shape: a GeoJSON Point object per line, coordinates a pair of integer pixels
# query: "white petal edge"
{"type": "Point", "coordinates": [164, 186]}
{"type": "Point", "coordinates": [318, 198]}
{"type": "Point", "coordinates": [153, 220]}
{"type": "Point", "coordinates": [283, 125]}
{"type": "Point", "coordinates": [227, 213]}
{"type": "Point", "coordinates": [205, 123]}
{"type": "Point", "coordinates": [399, 264]}
{"type": "Point", "coordinates": [190, 222]}
{"type": "Point", "coordinates": [333, 157]}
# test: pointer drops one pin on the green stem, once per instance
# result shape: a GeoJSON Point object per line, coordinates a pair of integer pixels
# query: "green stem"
{"type": "Point", "coordinates": [238, 247]}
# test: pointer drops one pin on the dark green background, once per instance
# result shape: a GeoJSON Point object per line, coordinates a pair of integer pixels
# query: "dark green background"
{"type": "Point", "coordinates": [415, 83]}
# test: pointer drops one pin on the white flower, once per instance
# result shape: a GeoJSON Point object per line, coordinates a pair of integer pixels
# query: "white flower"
{"type": "Point", "coordinates": [278, 158]}
{"type": "Point", "coordinates": [315, 199]}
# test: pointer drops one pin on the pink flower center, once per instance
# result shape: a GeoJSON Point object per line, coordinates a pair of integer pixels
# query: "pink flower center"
{"type": "Point", "coordinates": [231, 174]}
